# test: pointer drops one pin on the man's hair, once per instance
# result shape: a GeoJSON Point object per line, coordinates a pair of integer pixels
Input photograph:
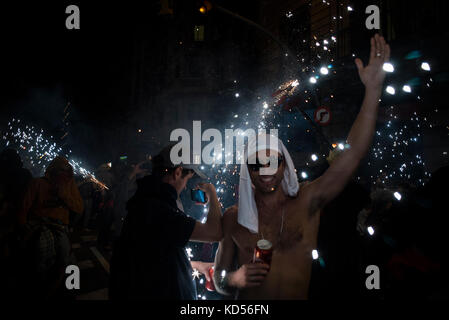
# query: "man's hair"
{"type": "Point", "coordinates": [163, 166]}
{"type": "Point", "coordinates": [161, 172]}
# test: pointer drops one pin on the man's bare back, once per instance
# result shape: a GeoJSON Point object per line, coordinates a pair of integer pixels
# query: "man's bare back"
{"type": "Point", "coordinates": [289, 275]}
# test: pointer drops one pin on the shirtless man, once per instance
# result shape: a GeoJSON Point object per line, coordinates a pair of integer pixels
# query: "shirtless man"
{"type": "Point", "coordinates": [289, 222]}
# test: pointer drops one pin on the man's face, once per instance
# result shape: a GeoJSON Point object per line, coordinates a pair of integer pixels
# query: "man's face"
{"type": "Point", "coordinates": [186, 179]}
{"type": "Point", "coordinates": [180, 180]}
{"type": "Point", "coordinates": [267, 183]}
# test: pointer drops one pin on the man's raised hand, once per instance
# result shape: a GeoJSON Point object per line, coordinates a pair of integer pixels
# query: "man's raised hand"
{"type": "Point", "coordinates": [373, 74]}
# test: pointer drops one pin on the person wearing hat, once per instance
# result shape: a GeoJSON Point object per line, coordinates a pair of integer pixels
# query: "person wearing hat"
{"type": "Point", "coordinates": [149, 260]}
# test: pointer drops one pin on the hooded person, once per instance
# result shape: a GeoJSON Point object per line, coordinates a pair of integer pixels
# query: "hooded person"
{"type": "Point", "coordinates": [267, 218]}
{"type": "Point", "coordinates": [273, 218]}
{"type": "Point", "coordinates": [52, 196]}
{"type": "Point", "coordinates": [248, 216]}
{"type": "Point", "coordinates": [270, 237]}
{"type": "Point", "coordinates": [43, 220]}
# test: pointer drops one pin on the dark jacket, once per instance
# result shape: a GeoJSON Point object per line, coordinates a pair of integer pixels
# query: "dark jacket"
{"type": "Point", "coordinates": [150, 261]}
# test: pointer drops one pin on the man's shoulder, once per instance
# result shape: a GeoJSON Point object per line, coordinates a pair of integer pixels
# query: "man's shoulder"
{"type": "Point", "coordinates": [230, 218]}
{"type": "Point", "coordinates": [303, 189]}
{"type": "Point", "coordinates": [147, 202]}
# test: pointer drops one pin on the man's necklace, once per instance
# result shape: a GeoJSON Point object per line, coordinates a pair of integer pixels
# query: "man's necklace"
{"type": "Point", "coordinates": [282, 227]}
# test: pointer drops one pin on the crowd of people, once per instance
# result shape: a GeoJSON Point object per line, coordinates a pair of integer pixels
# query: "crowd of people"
{"type": "Point", "coordinates": [399, 228]}
{"type": "Point", "coordinates": [268, 239]}
{"type": "Point", "coordinates": [38, 216]}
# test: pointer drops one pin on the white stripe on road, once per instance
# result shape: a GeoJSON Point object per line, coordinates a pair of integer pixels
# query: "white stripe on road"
{"type": "Point", "coordinates": [100, 258]}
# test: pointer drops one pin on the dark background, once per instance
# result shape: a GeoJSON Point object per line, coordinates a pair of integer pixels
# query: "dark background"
{"type": "Point", "coordinates": [130, 67]}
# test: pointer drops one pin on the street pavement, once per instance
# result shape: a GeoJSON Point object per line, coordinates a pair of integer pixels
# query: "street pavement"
{"type": "Point", "coordinates": [93, 264]}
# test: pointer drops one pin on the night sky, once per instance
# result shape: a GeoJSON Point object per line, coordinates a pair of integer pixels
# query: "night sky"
{"type": "Point", "coordinates": [45, 66]}
{"type": "Point", "coordinates": [89, 66]}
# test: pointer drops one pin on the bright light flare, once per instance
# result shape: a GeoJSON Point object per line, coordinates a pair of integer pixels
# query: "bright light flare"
{"type": "Point", "coordinates": [425, 66]}
{"type": "Point", "coordinates": [398, 196]}
{"type": "Point", "coordinates": [388, 67]}
{"type": "Point", "coordinates": [407, 89]}
{"type": "Point", "coordinates": [189, 252]}
{"type": "Point", "coordinates": [196, 274]}
{"type": "Point", "coordinates": [391, 90]}
{"type": "Point", "coordinates": [324, 71]}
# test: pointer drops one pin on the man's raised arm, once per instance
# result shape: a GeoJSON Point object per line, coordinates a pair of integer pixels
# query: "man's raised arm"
{"type": "Point", "coordinates": [332, 182]}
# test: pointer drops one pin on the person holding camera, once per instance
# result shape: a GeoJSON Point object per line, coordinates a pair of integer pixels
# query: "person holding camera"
{"type": "Point", "coordinates": [150, 260]}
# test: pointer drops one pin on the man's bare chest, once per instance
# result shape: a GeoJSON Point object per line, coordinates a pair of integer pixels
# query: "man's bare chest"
{"type": "Point", "coordinates": [296, 235]}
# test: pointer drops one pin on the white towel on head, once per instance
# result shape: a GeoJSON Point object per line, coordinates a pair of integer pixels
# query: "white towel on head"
{"type": "Point", "coordinates": [247, 210]}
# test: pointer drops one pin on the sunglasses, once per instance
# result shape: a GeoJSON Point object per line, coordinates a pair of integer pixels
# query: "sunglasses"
{"type": "Point", "coordinates": [256, 166]}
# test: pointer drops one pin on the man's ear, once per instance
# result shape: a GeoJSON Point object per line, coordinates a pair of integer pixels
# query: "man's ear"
{"type": "Point", "coordinates": [177, 173]}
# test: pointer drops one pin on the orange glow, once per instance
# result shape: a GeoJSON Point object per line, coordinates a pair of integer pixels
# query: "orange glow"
{"type": "Point", "coordinates": [203, 9]}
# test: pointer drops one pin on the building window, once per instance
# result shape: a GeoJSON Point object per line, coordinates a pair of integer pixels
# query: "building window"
{"type": "Point", "coordinates": [198, 33]}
